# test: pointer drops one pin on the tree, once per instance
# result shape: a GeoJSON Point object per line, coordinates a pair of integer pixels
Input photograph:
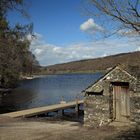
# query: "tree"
{"type": "Point", "coordinates": [125, 14]}
{"type": "Point", "coordinates": [14, 45]}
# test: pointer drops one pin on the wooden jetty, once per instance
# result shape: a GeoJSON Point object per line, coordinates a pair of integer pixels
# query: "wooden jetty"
{"type": "Point", "coordinates": [45, 109]}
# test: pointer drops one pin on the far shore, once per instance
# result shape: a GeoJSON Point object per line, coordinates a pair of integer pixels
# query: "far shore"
{"type": "Point", "coordinates": [70, 72]}
{"type": "Point", "coordinates": [24, 77]}
{"type": "Point", "coordinates": [38, 75]}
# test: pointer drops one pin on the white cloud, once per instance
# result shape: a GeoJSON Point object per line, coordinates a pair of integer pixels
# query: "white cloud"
{"type": "Point", "coordinates": [29, 37]}
{"type": "Point", "coordinates": [48, 54]}
{"type": "Point", "coordinates": [33, 37]}
{"type": "Point", "coordinates": [104, 55]}
{"type": "Point", "coordinates": [128, 33]}
{"type": "Point", "coordinates": [90, 26]}
{"type": "Point", "coordinates": [38, 51]}
{"type": "Point", "coordinates": [138, 49]}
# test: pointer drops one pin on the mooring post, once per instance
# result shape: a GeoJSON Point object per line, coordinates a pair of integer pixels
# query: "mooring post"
{"type": "Point", "coordinates": [63, 112]}
{"type": "Point", "coordinates": [77, 107]}
{"type": "Point", "coordinates": [47, 114]}
{"type": "Point", "coordinates": [62, 100]}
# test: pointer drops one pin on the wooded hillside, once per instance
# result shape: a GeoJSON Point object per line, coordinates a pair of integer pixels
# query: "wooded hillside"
{"type": "Point", "coordinates": [91, 65]}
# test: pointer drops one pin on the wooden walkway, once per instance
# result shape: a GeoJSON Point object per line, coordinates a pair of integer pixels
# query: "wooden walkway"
{"type": "Point", "coordinates": [45, 109]}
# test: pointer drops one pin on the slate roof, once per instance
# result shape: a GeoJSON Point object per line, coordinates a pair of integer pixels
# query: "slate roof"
{"type": "Point", "coordinates": [97, 87]}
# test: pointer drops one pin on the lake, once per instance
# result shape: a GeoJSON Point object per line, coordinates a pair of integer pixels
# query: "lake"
{"type": "Point", "coordinates": [46, 90]}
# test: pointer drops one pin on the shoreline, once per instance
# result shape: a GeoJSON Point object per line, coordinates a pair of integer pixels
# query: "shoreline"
{"type": "Point", "coordinates": [72, 72]}
{"type": "Point", "coordinates": [4, 91]}
{"type": "Point", "coordinates": [30, 77]}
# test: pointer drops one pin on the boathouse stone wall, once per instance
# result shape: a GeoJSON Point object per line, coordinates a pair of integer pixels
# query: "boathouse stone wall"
{"type": "Point", "coordinates": [135, 107]}
{"type": "Point", "coordinates": [96, 110]}
{"type": "Point", "coordinates": [98, 107]}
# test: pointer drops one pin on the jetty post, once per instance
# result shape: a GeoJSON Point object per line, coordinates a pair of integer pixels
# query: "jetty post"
{"type": "Point", "coordinates": [77, 107]}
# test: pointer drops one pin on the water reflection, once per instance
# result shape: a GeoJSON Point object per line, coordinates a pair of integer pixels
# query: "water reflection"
{"type": "Point", "coordinates": [16, 100]}
{"type": "Point", "coordinates": [45, 90]}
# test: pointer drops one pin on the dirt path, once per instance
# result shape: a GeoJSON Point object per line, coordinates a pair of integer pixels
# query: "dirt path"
{"type": "Point", "coordinates": [13, 129]}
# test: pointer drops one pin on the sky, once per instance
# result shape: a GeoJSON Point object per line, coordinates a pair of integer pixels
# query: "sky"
{"type": "Point", "coordinates": [65, 32]}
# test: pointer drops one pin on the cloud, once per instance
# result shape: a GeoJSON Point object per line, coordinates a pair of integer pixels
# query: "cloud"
{"type": "Point", "coordinates": [128, 33]}
{"type": "Point", "coordinates": [38, 51]}
{"type": "Point", "coordinates": [33, 37]}
{"type": "Point", "coordinates": [48, 54]}
{"type": "Point", "coordinates": [90, 26]}
{"type": "Point", "coordinates": [138, 49]}
{"type": "Point", "coordinates": [104, 55]}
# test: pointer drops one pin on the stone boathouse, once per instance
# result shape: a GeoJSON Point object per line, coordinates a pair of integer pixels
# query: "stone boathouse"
{"type": "Point", "coordinates": [114, 97]}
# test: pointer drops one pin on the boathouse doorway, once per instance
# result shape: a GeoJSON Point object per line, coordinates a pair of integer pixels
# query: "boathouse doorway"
{"type": "Point", "coordinates": [121, 101]}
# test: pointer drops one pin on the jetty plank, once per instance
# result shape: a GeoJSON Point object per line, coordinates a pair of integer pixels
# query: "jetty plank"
{"type": "Point", "coordinates": [41, 110]}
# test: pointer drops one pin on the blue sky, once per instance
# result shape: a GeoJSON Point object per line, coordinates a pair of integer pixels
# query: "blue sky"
{"type": "Point", "coordinates": [65, 32]}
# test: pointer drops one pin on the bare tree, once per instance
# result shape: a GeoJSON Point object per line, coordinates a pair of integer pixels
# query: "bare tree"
{"type": "Point", "coordinates": [125, 14]}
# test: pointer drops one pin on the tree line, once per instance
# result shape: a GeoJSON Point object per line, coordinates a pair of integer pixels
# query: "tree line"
{"type": "Point", "coordinates": [15, 57]}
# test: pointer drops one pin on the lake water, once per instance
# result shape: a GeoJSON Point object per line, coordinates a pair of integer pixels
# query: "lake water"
{"type": "Point", "coordinates": [46, 90]}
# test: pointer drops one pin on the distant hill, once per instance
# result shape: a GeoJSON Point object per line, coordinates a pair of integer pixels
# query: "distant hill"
{"type": "Point", "coordinates": [97, 64]}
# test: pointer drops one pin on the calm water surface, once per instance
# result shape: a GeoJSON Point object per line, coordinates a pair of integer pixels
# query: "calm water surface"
{"type": "Point", "coordinates": [46, 90]}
